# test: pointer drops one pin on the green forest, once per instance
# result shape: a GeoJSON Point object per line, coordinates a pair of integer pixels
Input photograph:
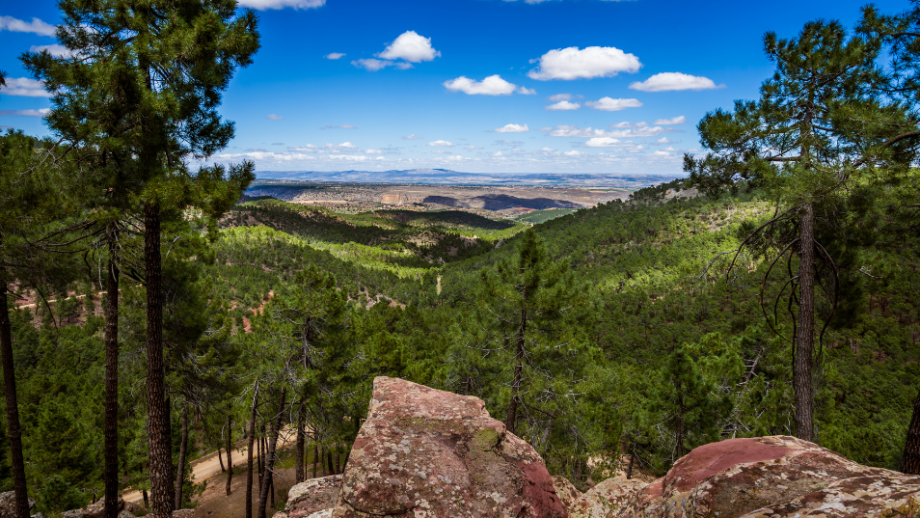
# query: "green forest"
{"type": "Point", "coordinates": [151, 314]}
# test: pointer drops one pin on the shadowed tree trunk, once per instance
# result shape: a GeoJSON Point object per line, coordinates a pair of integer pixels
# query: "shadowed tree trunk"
{"type": "Point", "coordinates": [252, 445]}
{"type": "Point", "coordinates": [518, 366]}
{"type": "Point", "coordinates": [12, 406]}
{"type": "Point", "coordinates": [270, 456]}
{"type": "Point", "coordinates": [183, 445]}
{"type": "Point", "coordinates": [158, 410]}
{"type": "Point", "coordinates": [110, 473]}
{"type": "Point", "coordinates": [220, 458]}
{"type": "Point", "coordinates": [315, 458]}
{"type": "Point", "coordinates": [229, 455]}
{"type": "Point", "coordinates": [802, 382]}
{"type": "Point", "coordinates": [910, 462]}
{"type": "Point", "coordinates": [299, 468]}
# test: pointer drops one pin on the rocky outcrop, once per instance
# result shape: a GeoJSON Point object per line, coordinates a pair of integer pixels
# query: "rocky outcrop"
{"type": "Point", "coordinates": [8, 505]}
{"type": "Point", "coordinates": [607, 499]}
{"type": "Point", "coordinates": [314, 495]}
{"type": "Point", "coordinates": [426, 453]}
{"type": "Point", "coordinates": [183, 513]}
{"type": "Point", "coordinates": [568, 494]}
{"type": "Point", "coordinates": [97, 510]}
{"type": "Point", "coordinates": [773, 477]}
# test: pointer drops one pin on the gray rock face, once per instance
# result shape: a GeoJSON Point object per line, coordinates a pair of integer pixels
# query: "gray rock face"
{"type": "Point", "coordinates": [8, 504]}
{"type": "Point", "coordinates": [426, 453]}
{"type": "Point", "coordinates": [313, 495]}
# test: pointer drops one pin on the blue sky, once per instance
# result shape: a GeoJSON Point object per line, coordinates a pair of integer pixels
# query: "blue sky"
{"type": "Point", "coordinates": [467, 84]}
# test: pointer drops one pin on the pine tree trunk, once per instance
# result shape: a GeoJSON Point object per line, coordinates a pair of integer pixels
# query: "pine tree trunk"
{"type": "Point", "coordinates": [221, 460]}
{"type": "Point", "coordinates": [802, 381]}
{"type": "Point", "coordinates": [12, 407]}
{"type": "Point", "coordinates": [335, 456]}
{"type": "Point", "coordinates": [910, 461]}
{"type": "Point", "coordinates": [229, 455]}
{"type": "Point", "coordinates": [183, 445]}
{"type": "Point", "coordinates": [146, 498]}
{"type": "Point", "coordinates": [110, 473]}
{"type": "Point", "coordinates": [511, 419]}
{"type": "Point", "coordinates": [270, 456]}
{"type": "Point", "coordinates": [158, 411]}
{"type": "Point", "coordinates": [331, 469]}
{"type": "Point", "coordinates": [252, 445]}
{"type": "Point", "coordinates": [261, 460]}
{"type": "Point", "coordinates": [299, 468]}
{"type": "Point", "coordinates": [315, 458]}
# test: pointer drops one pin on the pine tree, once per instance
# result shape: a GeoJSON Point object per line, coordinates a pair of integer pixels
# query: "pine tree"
{"type": "Point", "coordinates": [818, 127]}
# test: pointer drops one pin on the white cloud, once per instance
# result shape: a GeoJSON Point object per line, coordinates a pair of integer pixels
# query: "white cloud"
{"type": "Point", "coordinates": [548, 128]}
{"type": "Point", "coordinates": [41, 112]}
{"type": "Point", "coordinates": [561, 97]}
{"type": "Point", "coordinates": [497, 154]}
{"type": "Point", "coordinates": [572, 153]}
{"type": "Point", "coordinates": [662, 141]}
{"type": "Point", "coordinates": [576, 132]}
{"type": "Point", "coordinates": [670, 81]}
{"type": "Point", "coordinates": [574, 63]}
{"type": "Point", "coordinates": [372, 65]}
{"type": "Point", "coordinates": [492, 85]}
{"type": "Point", "coordinates": [526, 91]}
{"type": "Point", "coordinates": [662, 153]}
{"type": "Point", "coordinates": [281, 4]}
{"type": "Point", "coordinates": [343, 145]}
{"type": "Point", "coordinates": [25, 87]}
{"type": "Point", "coordinates": [602, 142]}
{"type": "Point", "coordinates": [373, 151]}
{"type": "Point", "coordinates": [563, 106]}
{"type": "Point", "coordinates": [411, 47]}
{"type": "Point", "coordinates": [54, 50]}
{"type": "Point", "coordinates": [335, 55]}
{"type": "Point", "coordinates": [440, 143]}
{"type": "Point", "coordinates": [608, 104]}
{"type": "Point", "coordinates": [36, 26]}
{"type": "Point", "coordinates": [672, 121]}
{"type": "Point", "coordinates": [274, 117]}
{"type": "Point", "coordinates": [513, 128]}
{"type": "Point", "coordinates": [413, 137]}
{"type": "Point", "coordinates": [339, 126]}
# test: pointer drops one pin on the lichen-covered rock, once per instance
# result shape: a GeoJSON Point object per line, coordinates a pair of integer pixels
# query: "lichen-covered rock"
{"type": "Point", "coordinates": [883, 496]}
{"type": "Point", "coordinates": [568, 494]}
{"type": "Point", "coordinates": [126, 514]}
{"type": "Point", "coordinates": [325, 513]}
{"type": "Point", "coordinates": [737, 476]}
{"type": "Point", "coordinates": [8, 505]}
{"type": "Point", "coordinates": [280, 514]}
{"type": "Point", "coordinates": [426, 453]}
{"type": "Point", "coordinates": [606, 499]}
{"type": "Point", "coordinates": [183, 513]}
{"type": "Point", "coordinates": [97, 510]}
{"type": "Point", "coordinates": [313, 495]}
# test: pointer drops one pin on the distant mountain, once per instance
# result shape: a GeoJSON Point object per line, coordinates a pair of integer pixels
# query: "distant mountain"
{"type": "Point", "coordinates": [447, 177]}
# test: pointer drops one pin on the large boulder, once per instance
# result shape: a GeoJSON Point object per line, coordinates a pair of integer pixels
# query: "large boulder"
{"type": "Point", "coordinates": [568, 494]}
{"type": "Point", "coordinates": [606, 499]}
{"type": "Point", "coordinates": [97, 510]}
{"type": "Point", "coordinates": [426, 453]}
{"type": "Point", "coordinates": [780, 476]}
{"type": "Point", "coordinates": [312, 496]}
{"type": "Point", "coordinates": [8, 505]}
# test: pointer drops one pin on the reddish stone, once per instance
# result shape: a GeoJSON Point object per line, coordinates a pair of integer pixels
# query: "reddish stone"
{"type": "Point", "coordinates": [426, 453]}
{"type": "Point", "coordinates": [606, 499]}
{"type": "Point", "coordinates": [313, 495]}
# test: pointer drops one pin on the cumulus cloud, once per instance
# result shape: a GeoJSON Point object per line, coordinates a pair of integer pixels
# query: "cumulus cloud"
{"type": "Point", "coordinates": [492, 85]}
{"type": "Point", "coordinates": [526, 91]}
{"type": "Point", "coordinates": [608, 104]}
{"type": "Point", "coordinates": [36, 26]}
{"type": "Point", "coordinates": [371, 64]}
{"type": "Point", "coordinates": [25, 87]}
{"type": "Point", "coordinates": [662, 153]}
{"type": "Point", "coordinates": [563, 106]}
{"type": "Point", "coordinates": [373, 151]}
{"type": "Point", "coordinates": [54, 50]}
{"type": "Point", "coordinates": [274, 117]}
{"type": "Point", "coordinates": [603, 142]}
{"type": "Point", "coordinates": [662, 141]}
{"type": "Point", "coordinates": [574, 63]}
{"type": "Point", "coordinates": [671, 122]}
{"type": "Point", "coordinates": [41, 112]}
{"type": "Point", "coordinates": [671, 81]}
{"type": "Point", "coordinates": [339, 126]}
{"type": "Point", "coordinates": [498, 154]}
{"type": "Point", "coordinates": [572, 153]}
{"type": "Point", "coordinates": [413, 137]}
{"type": "Point", "coordinates": [411, 47]}
{"type": "Point", "coordinates": [281, 4]}
{"type": "Point", "coordinates": [440, 143]}
{"type": "Point", "coordinates": [335, 55]}
{"type": "Point", "coordinates": [576, 132]}
{"type": "Point", "coordinates": [561, 97]}
{"type": "Point", "coordinates": [513, 128]}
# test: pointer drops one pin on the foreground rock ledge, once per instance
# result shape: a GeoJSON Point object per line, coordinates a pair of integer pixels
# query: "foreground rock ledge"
{"type": "Point", "coordinates": [426, 453]}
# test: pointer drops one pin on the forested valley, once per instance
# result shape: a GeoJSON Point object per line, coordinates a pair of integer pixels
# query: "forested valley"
{"type": "Point", "coordinates": [151, 315]}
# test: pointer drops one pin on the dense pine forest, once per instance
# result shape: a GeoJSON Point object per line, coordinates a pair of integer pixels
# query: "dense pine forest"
{"type": "Point", "coordinates": [151, 314]}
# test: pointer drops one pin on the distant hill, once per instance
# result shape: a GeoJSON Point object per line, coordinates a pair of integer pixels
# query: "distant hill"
{"type": "Point", "coordinates": [447, 177]}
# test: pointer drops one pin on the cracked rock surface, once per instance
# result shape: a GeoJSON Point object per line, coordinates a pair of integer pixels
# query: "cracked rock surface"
{"type": "Point", "coordinates": [426, 453]}
{"type": "Point", "coordinates": [312, 496]}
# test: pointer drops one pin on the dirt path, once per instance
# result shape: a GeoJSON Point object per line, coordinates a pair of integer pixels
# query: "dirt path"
{"type": "Point", "coordinates": [209, 465]}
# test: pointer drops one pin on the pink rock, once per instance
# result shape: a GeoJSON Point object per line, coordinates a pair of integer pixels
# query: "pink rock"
{"type": "Point", "coordinates": [606, 499]}
{"type": "Point", "coordinates": [568, 494]}
{"type": "Point", "coordinates": [313, 495]}
{"type": "Point", "coordinates": [737, 476]}
{"type": "Point", "coordinates": [425, 453]}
